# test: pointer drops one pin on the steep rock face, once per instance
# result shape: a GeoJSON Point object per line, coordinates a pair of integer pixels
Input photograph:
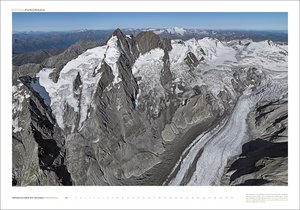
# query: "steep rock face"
{"type": "Point", "coordinates": [263, 163]}
{"type": "Point", "coordinates": [147, 41]}
{"type": "Point", "coordinates": [25, 70]}
{"type": "Point", "coordinates": [38, 147]}
{"type": "Point", "coordinates": [166, 75]}
{"type": "Point", "coordinates": [111, 120]}
{"type": "Point", "coordinates": [115, 126]}
{"type": "Point", "coordinates": [270, 120]}
{"type": "Point", "coordinates": [245, 78]}
{"type": "Point", "coordinates": [198, 108]}
{"type": "Point", "coordinates": [128, 46]}
{"type": "Point", "coordinates": [191, 60]}
{"type": "Point", "coordinates": [264, 159]}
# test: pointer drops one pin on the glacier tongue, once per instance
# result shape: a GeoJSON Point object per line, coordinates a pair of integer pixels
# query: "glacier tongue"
{"type": "Point", "coordinates": [86, 65]}
{"type": "Point", "coordinates": [218, 146]}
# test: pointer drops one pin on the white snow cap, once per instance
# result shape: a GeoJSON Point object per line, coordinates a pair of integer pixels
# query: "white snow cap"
{"type": "Point", "coordinates": [86, 65]}
{"type": "Point", "coordinates": [176, 30]}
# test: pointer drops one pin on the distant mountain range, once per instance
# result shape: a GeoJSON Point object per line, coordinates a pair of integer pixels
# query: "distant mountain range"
{"type": "Point", "coordinates": [35, 41]}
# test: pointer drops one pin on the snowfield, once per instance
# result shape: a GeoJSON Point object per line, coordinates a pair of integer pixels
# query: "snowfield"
{"type": "Point", "coordinates": [213, 54]}
{"type": "Point", "coordinates": [87, 66]}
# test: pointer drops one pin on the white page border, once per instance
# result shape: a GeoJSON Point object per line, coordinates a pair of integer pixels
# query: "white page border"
{"type": "Point", "coordinates": [131, 197]}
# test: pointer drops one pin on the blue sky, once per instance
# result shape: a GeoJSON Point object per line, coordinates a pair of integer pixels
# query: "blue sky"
{"type": "Point", "coordinates": [52, 21]}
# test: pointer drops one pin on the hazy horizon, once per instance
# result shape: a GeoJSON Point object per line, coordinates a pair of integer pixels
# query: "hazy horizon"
{"type": "Point", "coordinates": [73, 21]}
{"type": "Point", "coordinates": [112, 29]}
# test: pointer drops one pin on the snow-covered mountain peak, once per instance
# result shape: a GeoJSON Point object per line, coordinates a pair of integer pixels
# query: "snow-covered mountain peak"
{"type": "Point", "coordinates": [173, 31]}
{"type": "Point", "coordinates": [86, 66]}
{"type": "Point", "coordinates": [176, 30]}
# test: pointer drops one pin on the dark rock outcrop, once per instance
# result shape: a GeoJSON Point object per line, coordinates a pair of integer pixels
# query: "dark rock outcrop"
{"type": "Point", "coordinates": [127, 45]}
{"type": "Point", "coordinates": [29, 69]}
{"type": "Point", "coordinates": [263, 161]}
{"type": "Point", "coordinates": [191, 60]}
{"type": "Point", "coordinates": [77, 82]}
{"type": "Point", "coordinates": [166, 75]}
{"type": "Point", "coordinates": [243, 78]}
{"type": "Point", "coordinates": [147, 41]}
{"type": "Point", "coordinates": [38, 144]}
